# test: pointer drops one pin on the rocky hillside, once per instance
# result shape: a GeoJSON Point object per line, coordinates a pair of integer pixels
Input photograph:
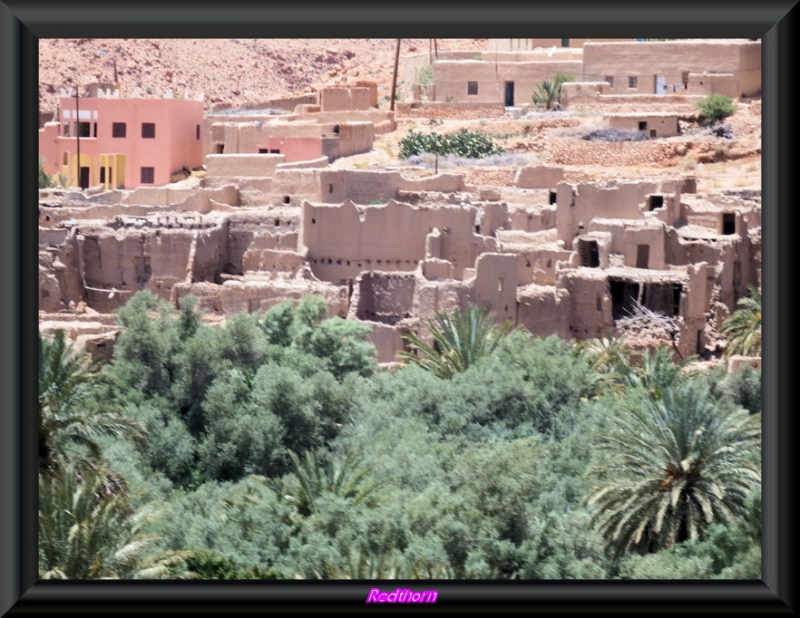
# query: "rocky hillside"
{"type": "Point", "coordinates": [236, 71]}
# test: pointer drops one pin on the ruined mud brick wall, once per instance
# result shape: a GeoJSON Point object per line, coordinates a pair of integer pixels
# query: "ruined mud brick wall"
{"type": "Point", "coordinates": [537, 261]}
{"type": "Point", "coordinates": [533, 219]}
{"type": "Point", "coordinates": [386, 297]}
{"type": "Point", "coordinates": [367, 187]}
{"type": "Point", "coordinates": [388, 340]}
{"type": "Point", "coordinates": [242, 165]}
{"type": "Point", "coordinates": [170, 250]}
{"type": "Point", "coordinates": [450, 78]}
{"type": "Point", "coordinates": [627, 236]}
{"type": "Point", "coordinates": [495, 285]}
{"type": "Point", "coordinates": [589, 302]}
{"type": "Point", "coordinates": [293, 186]}
{"type": "Point", "coordinates": [255, 231]}
{"type": "Point", "coordinates": [259, 294]}
{"type": "Point", "coordinates": [342, 240]}
{"type": "Point", "coordinates": [539, 176]}
{"type": "Point", "coordinates": [579, 204]}
{"type": "Point", "coordinates": [544, 310]}
{"type": "Point", "coordinates": [353, 138]}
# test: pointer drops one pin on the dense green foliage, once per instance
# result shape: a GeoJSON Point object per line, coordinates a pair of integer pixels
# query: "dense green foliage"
{"type": "Point", "coordinates": [275, 449]}
{"type": "Point", "coordinates": [464, 143]}
{"type": "Point", "coordinates": [460, 339]}
{"type": "Point", "coordinates": [743, 328]}
{"type": "Point", "coordinates": [714, 108]}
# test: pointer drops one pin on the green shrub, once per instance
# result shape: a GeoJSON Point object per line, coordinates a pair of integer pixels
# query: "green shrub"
{"type": "Point", "coordinates": [464, 143]}
{"type": "Point", "coordinates": [715, 107]}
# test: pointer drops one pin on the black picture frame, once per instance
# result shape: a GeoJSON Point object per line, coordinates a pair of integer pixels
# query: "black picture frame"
{"type": "Point", "coordinates": [23, 22]}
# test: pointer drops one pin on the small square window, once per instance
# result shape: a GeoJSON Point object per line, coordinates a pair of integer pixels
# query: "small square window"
{"type": "Point", "coordinates": [118, 129]}
{"type": "Point", "coordinates": [148, 175]}
{"type": "Point", "coordinates": [84, 129]}
{"type": "Point", "coordinates": [148, 129]}
{"type": "Point", "coordinates": [633, 82]}
{"type": "Point", "coordinates": [610, 80]}
{"type": "Point", "coordinates": [472, 87]}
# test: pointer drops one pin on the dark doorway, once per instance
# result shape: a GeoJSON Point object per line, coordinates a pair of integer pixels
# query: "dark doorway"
{"type": "Point", "coordinates": [220, 148]}
{"type": "Point", "coordinates": [643, 126]}
{"type": "Point", "coordinates": [589, 254]}
{"type": "Point", "coordinates": [729, 223]}
{"type": "Point", "coordinates": [553, 197]}
{"type": "Point", "coordinates": [623, 297]}
{"type": "Point", "coordinates": [642, 256]}
{"type": "Point", "coordinates": [509, 94]}
{"type": "Point", "coordinates": [84, 180]}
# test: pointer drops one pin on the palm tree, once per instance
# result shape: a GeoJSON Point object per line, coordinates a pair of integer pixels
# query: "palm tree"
{"type": "Point", "coordinates": [743, 328]}
{"type": "Point", "coordinates": [548, 93]}
{"type": "Point", "coordinates": [672, 467]}
{"type": "Point", "coordinates": [344, 477]}
{"type": "Point", "coordinates": [67, 419]}
{"type": "Point", "coordinates": [656, 373]}
{"type": "Point", "coordinates": [84, 534]}
{"type": "Point", "coordinates": [459, 340]}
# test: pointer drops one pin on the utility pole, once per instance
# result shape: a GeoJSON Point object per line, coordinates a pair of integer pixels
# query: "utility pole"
{"type": "Point", "coordinates": [78, 136]}
{"type": "Point", "coordinates": [394, 78]}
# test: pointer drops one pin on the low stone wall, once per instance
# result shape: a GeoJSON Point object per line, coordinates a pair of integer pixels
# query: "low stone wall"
{"type": "Point", "coordinates": [243, 165]}
{"type": "Point", "coordinates": [461, 111]}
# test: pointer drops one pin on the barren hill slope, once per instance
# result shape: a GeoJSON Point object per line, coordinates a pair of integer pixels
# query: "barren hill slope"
{"type": "Point", "coordinates": [223, 70]}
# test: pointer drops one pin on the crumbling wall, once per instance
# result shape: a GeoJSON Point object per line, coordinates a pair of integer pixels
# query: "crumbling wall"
{"type": "Point", "coordinates": [292, 186]}
{"type": "Point", "coordinates": [243, 165]}
{"type": "Point", "coordinates": [254, 295]}
{"type": "Point", "coordinates": [153, 258]}
{"type": "Point", "coordinates": [578, 204]}
{"type": "Point", "coordinates": [495, 284]}
{"type": "Point", "coordinates": [539, 176]}
{"type": "Point", "coordinates": [544, 310]}
{"type": "Point", "coordinates": [590, 302]}
{"type": "Point", "coordinates": [384, 297]}
{"type": "Point", "coordinates": [344, 239]}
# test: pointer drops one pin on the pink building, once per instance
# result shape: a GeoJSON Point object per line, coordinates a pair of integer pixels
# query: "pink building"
{"type": "Point", "coordinates": [123, 143]}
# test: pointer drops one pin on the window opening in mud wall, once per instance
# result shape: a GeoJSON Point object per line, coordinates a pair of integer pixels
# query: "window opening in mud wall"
{"type": "Point", "coordinates": [553, 197]}
{"type": "Point", "coordinates": [472, 88]}
{"type": "Point", "coordinates": [656, 201]}
{"type": "Point", "coordinates": [729, 223]}
{"type": "Point", "coordinates": [589, 253]}
{"type": "Point", "coordinates": [219, 148]}
{"type": "Point", "coordinates": [119, 129]}
{"type": "Point", "coordinates": [263, 151]}
{"type": "Point", "coordinates": [642, 256]}
{"type": "Point", "coordinates": [633, 82]}
{"type": "Point", "coordinates": [623, 297]}
{"type": "Point", "coordinates": [643, 126]}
